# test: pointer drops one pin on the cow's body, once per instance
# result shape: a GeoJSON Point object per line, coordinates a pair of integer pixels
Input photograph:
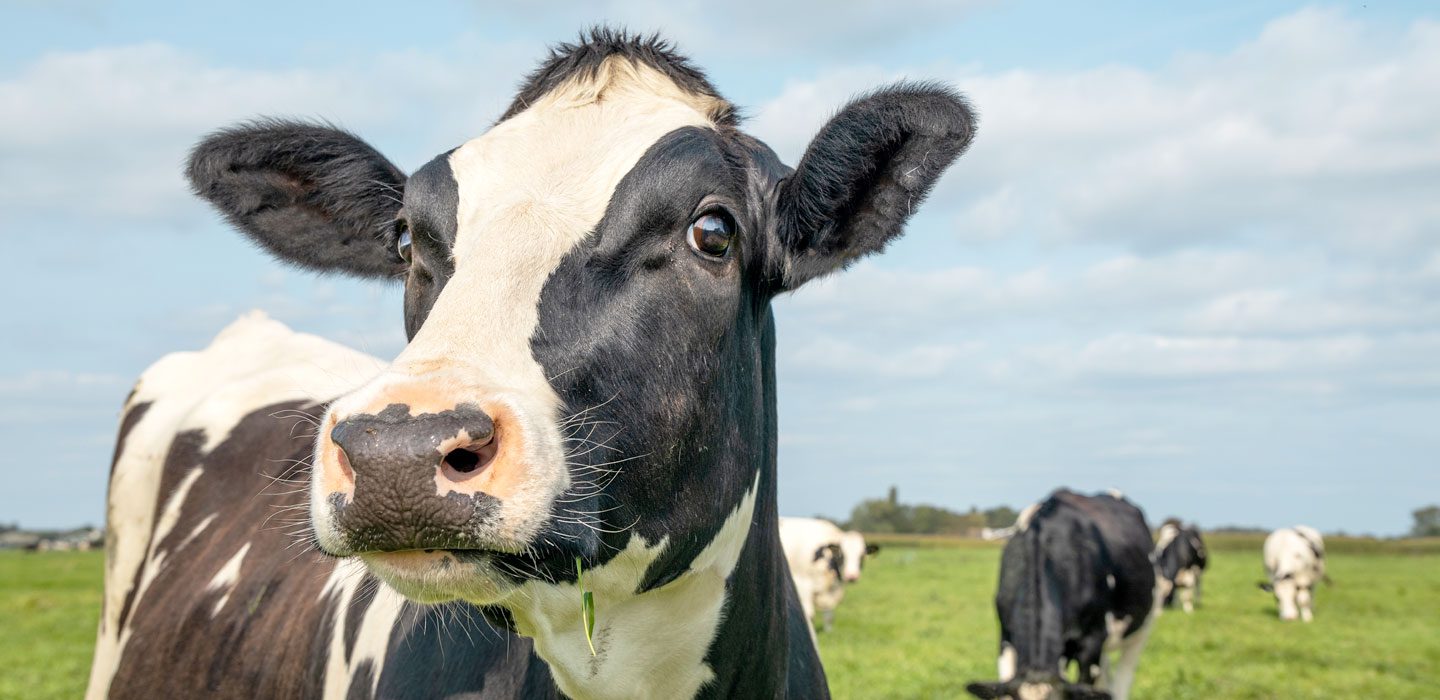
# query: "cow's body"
{"type": "Point", "coordinates": [1076, 584]}
{"type": "Point", "coordinates": [1180, 562]}
{"type": "Point", "coordinates": [1295, 563]}
{"type": "Point", "coordinates": [822, 559]}
{"type": "Point", "coordinates": [589, 385]}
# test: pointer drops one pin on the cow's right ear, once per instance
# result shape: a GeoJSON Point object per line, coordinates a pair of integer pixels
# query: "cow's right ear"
{"type": "Point", "coordinates": [312, 195]}
{"type": "Point", "coordinates": [1266, 586]}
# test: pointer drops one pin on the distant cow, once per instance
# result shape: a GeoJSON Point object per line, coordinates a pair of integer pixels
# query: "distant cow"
{"type": "Point", "coordinates": [1076, 583]}
{"type": "Point", "coordinates": [1180, 561]}
{"type": "Point", "coordinates": [822, 558]}
{"type": "Point", "coordinates": [1295, 562]}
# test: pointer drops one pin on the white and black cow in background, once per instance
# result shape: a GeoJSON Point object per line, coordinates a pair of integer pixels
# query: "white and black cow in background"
{"type": "Point", "coordinates": [1180, 561]}
{"type": "Point", "coordinates": [589, 378]}
{"type": "Point", "coordinates": [1295, 563]}
{"type": "Point", "coordinates": [1076, 584]}
{"type": "Point", "coordinates": [823, 558]}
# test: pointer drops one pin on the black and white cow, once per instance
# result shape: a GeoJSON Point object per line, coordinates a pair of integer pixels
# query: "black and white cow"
{"type": "Point", "coordinates": [1295, 563]}
{"type": "Point", "coordinates": [589, 384]}
{"type": "Point", "coordinates": [1180, 561]}
{"type": "Point", "coordinates": [1076, 584]}
{"type": "Point", "coordinates": [823, 558]}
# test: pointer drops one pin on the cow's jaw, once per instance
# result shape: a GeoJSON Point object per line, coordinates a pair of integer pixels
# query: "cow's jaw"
{"type": "Point", "coordinates": [649, 644]}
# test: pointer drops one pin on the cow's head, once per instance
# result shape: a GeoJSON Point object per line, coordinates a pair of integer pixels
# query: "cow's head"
{"type": "Point", "coordinates": [855, 549]}
{"type": "Point", "coordinates": [587, 296]}
{"type": "Point", "coordinates": [1293, 593]}
{"type": "Point", "coordinates": [1036, 687]}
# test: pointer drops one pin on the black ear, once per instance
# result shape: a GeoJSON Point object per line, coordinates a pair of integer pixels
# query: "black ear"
{"type": "Point", "coordinates": [988, 691]}
{"type": "Point", "coordinates": [865, 173]}
{"type": "Point", "coordinates": [1266, 586]}
{"type": "Point", "coordinates": [872, 549]}
{"type": "Point", "coordinates": [312, 195]}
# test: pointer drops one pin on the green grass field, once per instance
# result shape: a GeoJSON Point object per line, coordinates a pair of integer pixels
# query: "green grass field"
{"type": "Point", "coordinates": [921, 625]}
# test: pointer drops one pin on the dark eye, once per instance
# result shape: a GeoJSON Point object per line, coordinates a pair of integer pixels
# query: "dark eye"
{"type": "Point", "coordinates": [711, 233]}
{"type": "Point", "coordinates": [402, 241]}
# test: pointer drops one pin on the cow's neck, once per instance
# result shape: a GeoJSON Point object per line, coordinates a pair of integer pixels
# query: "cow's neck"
{"type": "Point", "coordinates": [672, 641]}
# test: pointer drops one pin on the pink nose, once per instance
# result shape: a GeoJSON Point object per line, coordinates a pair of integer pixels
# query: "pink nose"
{"type": "Point", "coordinates": [852, 578]}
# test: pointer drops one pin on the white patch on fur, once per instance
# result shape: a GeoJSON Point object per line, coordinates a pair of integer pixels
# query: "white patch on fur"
{"type": "Point", "coordinates": [1007, 661]}
{"type": "Point", "coordinates": [1110, 581]}
{"type": "Point", "coordinates": [111, 649]}
{"type": "Point", "coordinates": [650, 645]}
{"type": "Point", "coordinates": [372, 640]}
{"type": "Point", "coordinates": [204, 524]}
{"type": "Point", "coordinates": [530, 190]}
{"type": "Point", "coordinates": [1022, 523]}
{"type": "Point", "coordinates": [226, 578]}
{"type": "Point", "coordinates": [1116, 494]}
{"type": "Point", "coordinates": [1168, 533]}
{"type": "Point", "coordinates": [209, 390]}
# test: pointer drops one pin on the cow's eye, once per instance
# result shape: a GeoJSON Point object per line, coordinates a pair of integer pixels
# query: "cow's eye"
{"type": "Point", "coordinates": [710, 234]}
{"type": "Point", "coordinates": [402, 241]}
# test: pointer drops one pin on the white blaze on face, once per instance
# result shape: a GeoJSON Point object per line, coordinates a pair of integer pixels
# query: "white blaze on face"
{"type": "Point", "coordinates": [529, 191]}
{"type": "Point", "coordinates": [852, 545]}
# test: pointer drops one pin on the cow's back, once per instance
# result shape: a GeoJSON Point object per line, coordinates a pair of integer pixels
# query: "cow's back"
{"type": "Point", "coordinates": [212, 586]}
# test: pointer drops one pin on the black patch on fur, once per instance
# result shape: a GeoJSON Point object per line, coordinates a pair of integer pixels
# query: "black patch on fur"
{"type": "Point", "coordinates": [583, 59]}
{"type": "Point", "coordinates": [355, 612]}
{"type": "Point", "coordinates": [311, 194]}
{"type": "Point", "coordinates": [361, 681]}
{"type": "Point", "coordinates": [132, 417]}
{"type": "Point", "coordinates": [865, 173]}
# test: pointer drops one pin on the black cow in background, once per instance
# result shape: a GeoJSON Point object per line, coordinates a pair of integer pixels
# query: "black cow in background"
{"type": "Point", "coordinates": [1076, 583]}
{"type": "Point", "coordinates": [1180, 561]}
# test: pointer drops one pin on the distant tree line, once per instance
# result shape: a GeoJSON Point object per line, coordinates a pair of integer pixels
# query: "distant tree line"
{"type": "Point", "coordinates": [889, 515]}
{"type": "Point", "coordinates": [1427, 522]}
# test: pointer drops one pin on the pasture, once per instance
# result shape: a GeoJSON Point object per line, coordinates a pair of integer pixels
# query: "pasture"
{"type": "Point", "coordinates": [920, 625]}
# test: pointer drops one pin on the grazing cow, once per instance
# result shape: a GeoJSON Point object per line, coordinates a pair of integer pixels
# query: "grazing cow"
{"type": "Point", "coordinates": [1180, 561]}
{"type": "Point", "coordinates": [822, 559]}
{"type": "Point", "coordinates": [1295, 563]}
{"type": "Point", "coordinates": [1076, 583]}
{"type": "Point", "coordinates": [585, 409]}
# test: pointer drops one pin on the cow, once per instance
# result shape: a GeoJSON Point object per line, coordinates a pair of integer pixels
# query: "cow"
{"type": "Point", "coordinates": [1076, 584]}
{"type": "Point", "coordinates": [1295, 564]}
{"type": "Point", "coordinates": [822, 559]}
{"type": "Point", "coordinates": [1180, 561]}
{"type": "Point", "coordinates": [565, 483]}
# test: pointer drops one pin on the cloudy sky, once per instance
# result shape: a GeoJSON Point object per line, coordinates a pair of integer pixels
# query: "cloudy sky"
{"type": "Point", "coordinates": [1193, 254]}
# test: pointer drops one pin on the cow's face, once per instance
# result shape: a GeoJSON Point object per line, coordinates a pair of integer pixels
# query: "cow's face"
{"type": "Point", "coordinates": [1292, 595]}
{"type": "Point", "coordinates": [587, 291]}
{"type": "Point", "coordinates": [853, 545]}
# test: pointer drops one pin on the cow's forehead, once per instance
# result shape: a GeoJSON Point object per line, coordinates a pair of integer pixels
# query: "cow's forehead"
{"type": "Point", "coordinates": [550, 170]}
{"type": "Point", "coordinates": [528, 191]}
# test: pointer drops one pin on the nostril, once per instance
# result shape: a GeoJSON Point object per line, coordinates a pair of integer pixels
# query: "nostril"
{"type": "Point", "coordinates": [463, 460]}
{"type": "Point", "coordinates": [467, 460]}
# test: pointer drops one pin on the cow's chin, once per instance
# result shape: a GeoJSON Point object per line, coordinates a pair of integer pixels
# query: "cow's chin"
{"type": "Point", "coordinates": [438, 576]}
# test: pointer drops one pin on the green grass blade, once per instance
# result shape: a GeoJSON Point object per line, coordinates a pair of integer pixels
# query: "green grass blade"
{"type": "Point", "coordinates": [587, 606]}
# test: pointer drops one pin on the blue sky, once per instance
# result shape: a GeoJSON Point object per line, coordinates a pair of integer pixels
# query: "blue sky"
{"type": "Point", "coordinates": [1193, 253]}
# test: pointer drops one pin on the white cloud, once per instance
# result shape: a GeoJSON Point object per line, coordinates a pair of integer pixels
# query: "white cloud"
{"type": "Point", "coordinates": [104, 133]}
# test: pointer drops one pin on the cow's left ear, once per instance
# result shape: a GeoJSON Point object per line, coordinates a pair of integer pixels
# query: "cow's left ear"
{"type": "Point", "coordinates": [864, 174]}
{"type": "Point", "coordinates": [872, 549]}
{"type": "Point", "coordinates": [1266, 586]}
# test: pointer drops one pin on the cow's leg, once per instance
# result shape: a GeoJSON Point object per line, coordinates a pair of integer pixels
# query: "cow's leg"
{"type": "Point", "coordinates": [1121, 675]}
{"type": "Point", "coordinates": [1090, 658]}
{"type": "Point", "coordinates": [828, 618]}
{"type": "Point", "coordinates": [1303, 601]}
{"type": "Point", "coordinates": [1187, 599]}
